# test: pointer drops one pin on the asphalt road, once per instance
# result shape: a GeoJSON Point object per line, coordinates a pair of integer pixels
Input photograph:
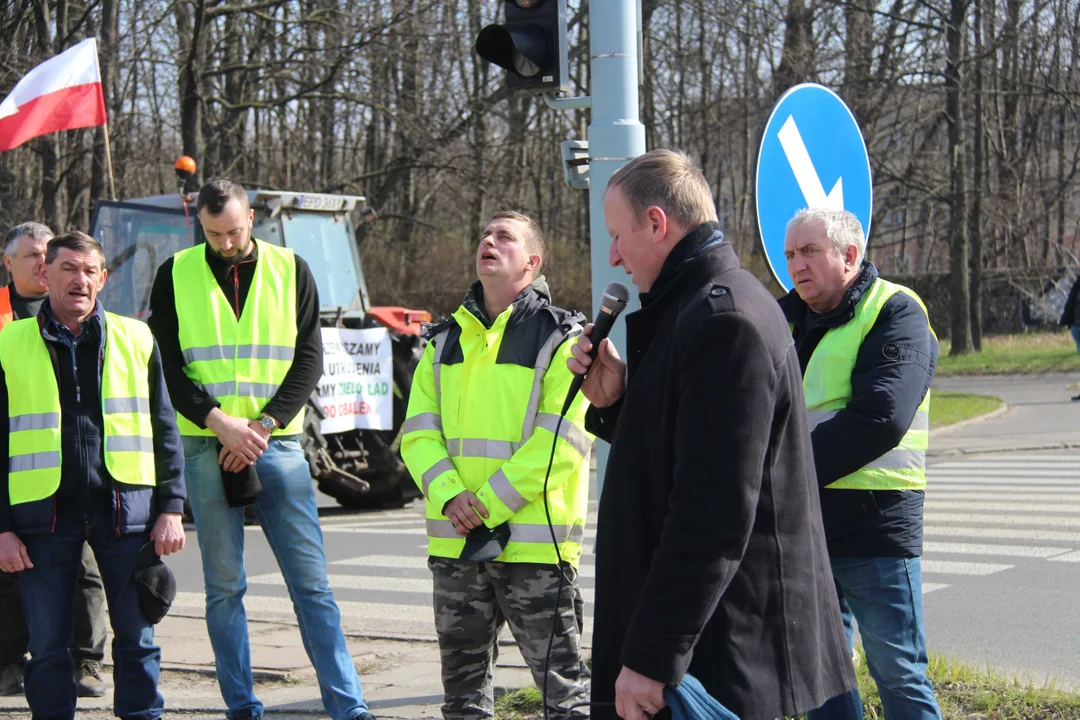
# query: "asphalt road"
{"type": "Point", "coordinates": [1001, 568]}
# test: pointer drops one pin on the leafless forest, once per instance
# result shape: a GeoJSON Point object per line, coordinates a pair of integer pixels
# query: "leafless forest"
{"type": "Point", "coordinates": [969, 108]}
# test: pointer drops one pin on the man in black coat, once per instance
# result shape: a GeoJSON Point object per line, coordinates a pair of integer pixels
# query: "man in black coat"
{"type": "Point", "coordinates": [711, 557]}
{"type": "Point", "coordinates": [1070, 315]}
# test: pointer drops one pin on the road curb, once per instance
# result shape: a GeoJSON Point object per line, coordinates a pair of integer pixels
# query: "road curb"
{"type": "Point", "coordinates": [1005, 407]}
{"type": "Point", "coordinates": [1011, 448]}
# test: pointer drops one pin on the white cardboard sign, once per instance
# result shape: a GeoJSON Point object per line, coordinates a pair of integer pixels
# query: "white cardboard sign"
{"type": "Point", "coordinates": [357, 386]}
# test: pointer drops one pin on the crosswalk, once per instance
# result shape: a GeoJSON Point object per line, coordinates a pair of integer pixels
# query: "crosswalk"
{"type": "Point", "coordinates": [983, 516]}
{"type": "Point", "coordinates": [986, 515]}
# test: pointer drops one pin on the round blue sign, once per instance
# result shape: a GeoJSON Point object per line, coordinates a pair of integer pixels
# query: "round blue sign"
{"type": "Point", "coordinates": [812, 155]}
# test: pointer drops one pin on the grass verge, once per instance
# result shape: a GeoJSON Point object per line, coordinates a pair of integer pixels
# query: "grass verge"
{"type": "Point", "coordinates": [948, 408]}
{"type": "Point", "coordinates": [963, 692]}
{"type": "Point", "coordinates": [1025, 354]}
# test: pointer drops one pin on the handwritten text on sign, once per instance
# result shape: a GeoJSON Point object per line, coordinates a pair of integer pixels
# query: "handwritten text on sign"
{"type": "Point", "coordinates": [356, 389]}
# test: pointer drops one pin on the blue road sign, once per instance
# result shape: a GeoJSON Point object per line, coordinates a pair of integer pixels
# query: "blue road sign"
{"type": "Point", "coordinates": [812, 155]}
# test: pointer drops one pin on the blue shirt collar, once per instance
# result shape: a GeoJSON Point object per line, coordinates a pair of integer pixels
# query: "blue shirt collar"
{"type": "Point", "coordinates": [52, 329]}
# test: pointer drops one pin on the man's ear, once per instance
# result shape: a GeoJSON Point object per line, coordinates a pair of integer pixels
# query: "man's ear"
{"type": "Point", "coordinates": [851, 256]}
{"type": "Point", "coordinates": [534, 263]}
{"type": "Point", "coordinates": [7, 263]}
{"type": "Point", "coordinates": [656, 222]}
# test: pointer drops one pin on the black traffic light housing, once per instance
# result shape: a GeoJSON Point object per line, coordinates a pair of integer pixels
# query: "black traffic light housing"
{"type": "Point", "coordinates": [531, 46]}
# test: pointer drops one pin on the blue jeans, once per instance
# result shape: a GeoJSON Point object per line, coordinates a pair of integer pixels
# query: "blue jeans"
{"type": "Point", "coordinates": [290, 521]}
{"type": "Point", "coordinates": [884, 595]}
{"type": "Point", "coordinates": [48, 598]}
{"type": "Point", "coordinates": [1075, 330]}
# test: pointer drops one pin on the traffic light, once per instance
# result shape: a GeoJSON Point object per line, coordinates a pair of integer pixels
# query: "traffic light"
{"type": "Point", "coordinates": [530, 45]}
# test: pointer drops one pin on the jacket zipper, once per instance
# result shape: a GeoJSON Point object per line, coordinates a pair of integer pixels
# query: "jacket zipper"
{"type": "Point", "coordinates": [117, 510]}
{"type": "Point", "coordinates": [236, 290]}
{"type": "Point", "coordinates": [53, 513]}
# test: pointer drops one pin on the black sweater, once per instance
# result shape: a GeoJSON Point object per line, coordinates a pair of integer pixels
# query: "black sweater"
{"type": "Point", "coordinates": [193, 402]}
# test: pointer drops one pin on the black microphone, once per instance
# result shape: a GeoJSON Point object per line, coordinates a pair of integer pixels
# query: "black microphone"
{"type": "Point", "coordinates": [612, 302]}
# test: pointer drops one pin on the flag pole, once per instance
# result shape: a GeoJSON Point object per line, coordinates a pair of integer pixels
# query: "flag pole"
{"type": "Point", "coordinates": [108, 161]}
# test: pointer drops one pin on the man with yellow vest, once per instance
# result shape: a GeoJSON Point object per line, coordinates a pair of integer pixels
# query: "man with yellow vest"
{"type": "Point", "coordinates": [238, 324]}
{"type": "Point", "coordinates": [483, 413]}
{"type": "Point", "coordinates": [93, 456]}
{"type": "Point", "coordinates": [868, 355]}
{"type": "Point", "coordinates": [24, 257]}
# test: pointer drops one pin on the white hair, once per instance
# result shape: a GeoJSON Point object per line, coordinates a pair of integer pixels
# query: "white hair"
{"type": "Point", "coordinates": [34, 230]}
{"type": "Point", "coordinates": [840, 226]}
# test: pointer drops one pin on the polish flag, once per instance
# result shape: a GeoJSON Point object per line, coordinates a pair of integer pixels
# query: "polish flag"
{"type": "Point", "coordinates": [63, 93]}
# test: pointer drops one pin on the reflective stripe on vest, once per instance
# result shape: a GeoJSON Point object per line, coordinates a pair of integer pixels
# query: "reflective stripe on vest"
{"type": "Point", "coordinates": [34, 449]}
{"type": "Point", "coordinates": [7, 313]}
{"type": "Point", "coordinates": [240, 362]}
{"type": "Point", "coordinates": [827, 387]}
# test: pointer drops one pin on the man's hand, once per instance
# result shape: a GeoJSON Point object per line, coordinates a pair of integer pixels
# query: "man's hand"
{"type": "Point", "coordinates": [230, 462]}
{"type": "Point", "coordinates": [462, 511]}
{"type": "Point", "coordinates": [637, 696]}
{"type": "Point", "coordinates": [605, 380]}
{"type": "Point", "coordinates": [236, 437]}
{"type": "Point", "coordinates": [13, 556]}
{"type": "Point", "coordinates": [168, 534]}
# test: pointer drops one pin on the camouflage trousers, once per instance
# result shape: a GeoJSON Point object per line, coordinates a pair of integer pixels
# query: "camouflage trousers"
{"type": "Point", "coordinates": [472, 603]}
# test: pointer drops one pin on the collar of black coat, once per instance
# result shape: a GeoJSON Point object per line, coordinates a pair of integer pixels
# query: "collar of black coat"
{"type": "Point", "coordinates": [537, 293]}
{"type": "Point", "coordinates": [702, 254]}
{"type": "Point", "coordinates": [798, 313]}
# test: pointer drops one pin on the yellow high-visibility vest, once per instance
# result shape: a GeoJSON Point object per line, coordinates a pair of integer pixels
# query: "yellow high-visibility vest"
{"type": "Point", "coordinates": [475, 423]}
{"type": "Point", "coordinates": [240, 362]}
{"type": "Point", "coordinates": [827, 387]}
{"type": "Point", "coordinates": [34, 444]}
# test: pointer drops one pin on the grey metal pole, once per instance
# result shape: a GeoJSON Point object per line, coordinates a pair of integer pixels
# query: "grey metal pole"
{"type": "Point", "coordinates": [616, 136]}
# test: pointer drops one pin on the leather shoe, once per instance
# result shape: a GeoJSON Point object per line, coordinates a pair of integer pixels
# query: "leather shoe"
{"type": "Point", "coordinates": [88, 680]}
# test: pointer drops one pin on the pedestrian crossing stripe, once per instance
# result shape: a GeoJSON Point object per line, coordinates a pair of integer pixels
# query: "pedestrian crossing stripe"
{"type": "Point", "coordinates": [981, 516]}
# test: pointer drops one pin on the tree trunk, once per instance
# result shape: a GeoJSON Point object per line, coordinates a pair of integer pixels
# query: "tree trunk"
{"type": "Point", "coordinates": [977, 159]}
{"type": "Point", "coordinates": [797, 62]}
{"type": "Point", "coordinates": [191, 27]}
{"type": "Point", "coordinates": [960, 326]}
{"type": "Point", "coordinates": [107, 50]}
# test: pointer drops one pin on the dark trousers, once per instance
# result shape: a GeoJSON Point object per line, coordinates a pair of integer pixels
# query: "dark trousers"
{"type": "Point", "coordinates": [89, 642]}
{"type": "Point", "coordinates": [48, 596]}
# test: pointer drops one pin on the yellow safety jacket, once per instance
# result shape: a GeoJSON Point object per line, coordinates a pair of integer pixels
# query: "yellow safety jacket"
{"type": "Point", "coordinates": [240, 362]}
{"type": "Point", "coordinates": [827, 387]}
{"type": "Point", "coordinates": [482, 415]}
{"type": "Point", "coordinates": [34, 407]}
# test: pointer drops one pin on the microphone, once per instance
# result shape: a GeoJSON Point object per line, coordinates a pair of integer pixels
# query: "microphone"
{"type": "Point", "coordinates": [612, 302]}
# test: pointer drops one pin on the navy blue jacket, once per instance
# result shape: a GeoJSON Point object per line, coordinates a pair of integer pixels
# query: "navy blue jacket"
{"type": "Point", "coordinates": [85, 484]}
{"type": "Point", "coordinates": [887, 387]}
{"type": "Point", "coordinates": [1069, 316]}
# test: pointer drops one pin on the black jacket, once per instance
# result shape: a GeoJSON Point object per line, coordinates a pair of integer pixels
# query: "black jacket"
{"type": "Point", "coordinates": [1068, 314]}
{"type": "Point", "coordinates": [85, 483]}
{"type": "Point", "coordinates": [192, 401]}
{"type": "Point", "coordinates": [710, 553]}
{"type": "Point", "coordinates": [892, 375]}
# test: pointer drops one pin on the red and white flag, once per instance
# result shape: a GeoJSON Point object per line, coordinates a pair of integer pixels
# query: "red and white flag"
{"type": "Point", "coordinates": [63, 93]}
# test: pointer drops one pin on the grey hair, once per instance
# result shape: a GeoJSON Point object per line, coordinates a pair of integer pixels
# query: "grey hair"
{"type": "Point", "coordinates": [841, 227]}
{"type": "Point", "coordinates": [34, 230]}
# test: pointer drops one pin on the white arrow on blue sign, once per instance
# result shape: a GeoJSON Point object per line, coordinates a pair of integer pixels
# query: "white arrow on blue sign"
{"type": "Point", "coordinates": [812, 155]}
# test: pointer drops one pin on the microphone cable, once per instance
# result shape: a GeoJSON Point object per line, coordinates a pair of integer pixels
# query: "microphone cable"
{"type": "Point", "coordinates": [562, 584]}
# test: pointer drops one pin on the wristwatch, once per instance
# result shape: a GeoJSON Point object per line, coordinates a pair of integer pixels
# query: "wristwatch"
{"type": "Point", "coordinates": [268, 423]}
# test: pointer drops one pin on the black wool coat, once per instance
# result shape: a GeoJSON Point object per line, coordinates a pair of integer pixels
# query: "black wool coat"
{"type": "Point", "coordinates": [711, 556]}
